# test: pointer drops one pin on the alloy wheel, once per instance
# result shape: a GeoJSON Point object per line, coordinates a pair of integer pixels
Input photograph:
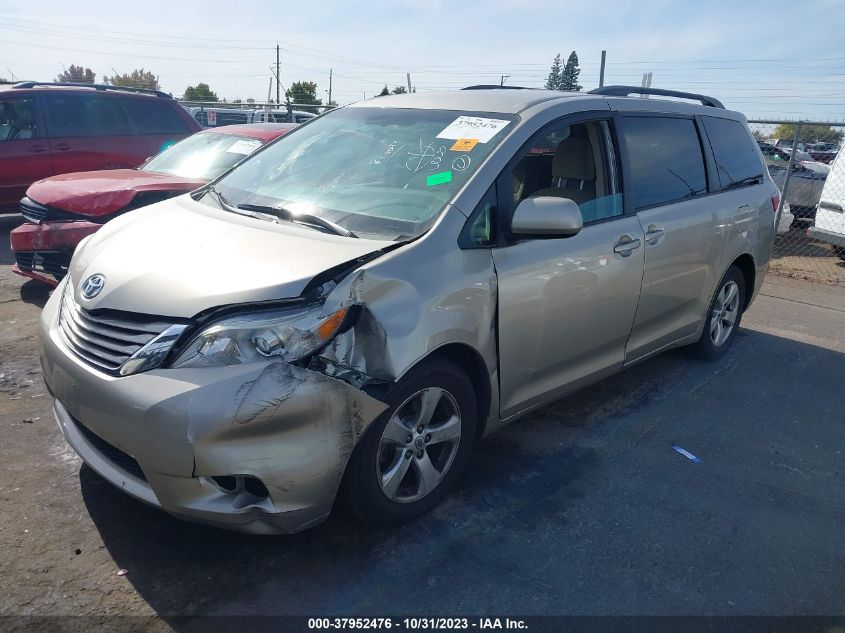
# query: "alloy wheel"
{"type": "Point", "coordinates": [724, 314]}
{"type": "Point", "coordinates": [418, 445]}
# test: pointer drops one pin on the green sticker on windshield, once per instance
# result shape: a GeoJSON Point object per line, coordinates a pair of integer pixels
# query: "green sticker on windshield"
{"type": "Point", "coordinates": [439, 179]}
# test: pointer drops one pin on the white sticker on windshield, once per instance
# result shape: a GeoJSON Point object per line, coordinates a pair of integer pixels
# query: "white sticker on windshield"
{"type": "Point", "coordinates": [473, 127]}
{"type": "Point", "coordinates": [244, 146]}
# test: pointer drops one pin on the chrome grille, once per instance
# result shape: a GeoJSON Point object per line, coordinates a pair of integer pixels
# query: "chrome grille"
{"type": "Point", "coordinates": [105, 338]}
{"type": "Point", "coordinates": [33, 211]}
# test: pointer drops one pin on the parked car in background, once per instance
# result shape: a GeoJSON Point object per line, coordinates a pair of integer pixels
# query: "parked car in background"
{"type": "Point", "coordinates": [48, 129]}
{"type": "Point", "coordinates": [209, 117]}
{"type": "Point", "coordinates": [348, 310]}
{"type": "Point", "coordinates": [786, 219]}
{"type": "Point", "coordinates": [60, 211]}
{"type": "Point", "coordinates": [805, 182]}
{"type": "Point", "coordinates": [830, 217]}
{"type": "Point", "coordinates": [823, 152]}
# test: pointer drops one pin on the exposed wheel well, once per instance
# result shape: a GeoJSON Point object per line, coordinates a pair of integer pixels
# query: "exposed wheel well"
{"type": "Point", "coordinates": [746, 264]}
{"type": "Point", "coordinates": [473, 365]}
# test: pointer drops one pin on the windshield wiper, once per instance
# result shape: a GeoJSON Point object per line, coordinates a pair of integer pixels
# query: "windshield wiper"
{"type": "Point", "coordinates": [300, 218]}
{"type": "Point", "coordinates": [228, 206]}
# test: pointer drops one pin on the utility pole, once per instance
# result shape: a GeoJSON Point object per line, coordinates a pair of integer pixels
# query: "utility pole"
{"type": "Point", "coordinates": [330, 86]}
{"type": "Point", "coordinates": [502, 82]}
{"type": "Point", "coordinates": [601, 70]}
{"type": "Point", "coordinates": [408, 75]}
{"type": "Point", "coordinates": [646, 83]}
{"type": "Point", "coordinates": [278, 70]}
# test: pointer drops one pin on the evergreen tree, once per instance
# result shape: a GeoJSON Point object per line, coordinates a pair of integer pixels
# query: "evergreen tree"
{"type": "Point", "coordinates": [569, 76]}
{"type": "Point", "coordinates": [553, 82]}
{"type": "Point", "coordinates": [384, 91]}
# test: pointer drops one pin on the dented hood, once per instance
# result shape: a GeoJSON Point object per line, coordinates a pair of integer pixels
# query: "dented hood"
{"type": "Point", "coordinates": [101, 193]}
{"type": "Point", "coordinates": [179, 257]}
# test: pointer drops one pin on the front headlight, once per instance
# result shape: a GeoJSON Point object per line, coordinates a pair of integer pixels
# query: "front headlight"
{"type": "Point", "coordinates": [286, 334]}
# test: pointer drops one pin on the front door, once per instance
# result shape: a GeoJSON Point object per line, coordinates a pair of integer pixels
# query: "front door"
{"type": "Point", "coordinates": [566, 305]}
{"type": "Point", "coordinates": [24, 150]}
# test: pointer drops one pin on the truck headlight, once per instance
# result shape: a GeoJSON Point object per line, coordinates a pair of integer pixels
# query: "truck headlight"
{"type": "Point", "coordinates": [285, 334]}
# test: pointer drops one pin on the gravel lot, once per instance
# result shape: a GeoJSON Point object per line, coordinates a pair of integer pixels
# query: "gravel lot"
{"type": "Point", "coordinates": [581, 508]}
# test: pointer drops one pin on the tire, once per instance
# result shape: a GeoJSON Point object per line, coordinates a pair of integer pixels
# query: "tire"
{"type": "Point", "coordinates": [713, 343]}
{"type": "Point", "coordinates": [383, 452]}
{"type": "Point", "coordinates": [839, 251]}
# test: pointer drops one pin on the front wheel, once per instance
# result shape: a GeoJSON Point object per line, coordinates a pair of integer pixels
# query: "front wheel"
{"type": "Point", "coordinates": [723, 317]}
{"type": "Point", "coordinates": [414, 451]}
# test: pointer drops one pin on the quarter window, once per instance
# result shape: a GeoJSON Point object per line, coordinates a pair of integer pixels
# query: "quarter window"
{"type": "Point", "coordinates": [666, 163]}
{"type": "Point", "coordinates": [737, 162]}
{"type": "Point", "coordinates": [154, 115]}
{"type": "Point", "coordinates": [86, 115]}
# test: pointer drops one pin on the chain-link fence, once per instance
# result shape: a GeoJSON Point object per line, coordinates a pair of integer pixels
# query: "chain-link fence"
{"type": "Point", "coordinates": [802, 160]}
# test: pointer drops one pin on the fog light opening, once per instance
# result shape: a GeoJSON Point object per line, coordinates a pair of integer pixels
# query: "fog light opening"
{"type": "Point", "coordinates": [237, 484]}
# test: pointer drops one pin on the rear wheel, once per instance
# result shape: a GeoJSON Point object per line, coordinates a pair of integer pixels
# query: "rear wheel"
{"type": "Point", "coordinates": [413, 452]}
{"type": "Point", "coordinates": [724, 315]}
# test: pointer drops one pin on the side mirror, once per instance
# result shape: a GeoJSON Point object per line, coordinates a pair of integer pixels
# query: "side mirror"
{"type": "Point", "coordinates": [547, 216]}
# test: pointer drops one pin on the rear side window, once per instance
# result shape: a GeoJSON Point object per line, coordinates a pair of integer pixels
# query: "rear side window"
{"type": "Point", "coordinates": [86, 115]}
{"type": "Point", "coordinates": [153, 115]}
{"type": "Point", "coordinates": [736, 160]}
{"type": "Point", "coordinates": [665, 159]}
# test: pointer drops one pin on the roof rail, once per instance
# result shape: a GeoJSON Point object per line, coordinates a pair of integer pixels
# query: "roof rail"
{"type": "Point", "coordinates": [495, 87]}
{"type": "Point", "coordinates": [71, 84]}
{"type": "Point", "coordinates": [624, 91]}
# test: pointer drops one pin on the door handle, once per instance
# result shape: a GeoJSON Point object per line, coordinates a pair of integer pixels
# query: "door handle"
{"type": "Point", "coordinates": [625, 244]}
{"type": "Point", "coordinates": [36, 149]}
{"type": "Point", "coordinates": [653, 234]}
{"type": "Point", "coordinates": [63, 147]}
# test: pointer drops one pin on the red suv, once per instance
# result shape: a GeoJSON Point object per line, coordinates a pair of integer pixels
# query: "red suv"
{"type": "Point", "coordinates": [62, 210]}
{"type": "Point", "coordinates": [48, 129]}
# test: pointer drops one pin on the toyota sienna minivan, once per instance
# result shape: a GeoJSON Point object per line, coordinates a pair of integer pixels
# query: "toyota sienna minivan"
{"type": "Point", "coordinates": [344, 313]}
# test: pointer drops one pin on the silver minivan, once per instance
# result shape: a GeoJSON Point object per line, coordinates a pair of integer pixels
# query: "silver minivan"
{"type": "Point", "coordinates": [349, 309]}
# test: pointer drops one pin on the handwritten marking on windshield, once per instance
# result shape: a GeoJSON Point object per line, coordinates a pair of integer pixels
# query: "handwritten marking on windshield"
{"type": "Point", "coordinates": [424, 157]}
{"type": "Point", "coordinates": [461, 162]}
{"type": "Point", "coordinates": [392, 150]}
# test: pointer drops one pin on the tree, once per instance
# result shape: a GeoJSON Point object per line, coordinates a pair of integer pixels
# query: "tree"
{"type": "Point", "coordinates": [399, 90]}
{"type": "Point", "coordinates": [304, 92]}
{"type": "Point", "coordinates": [569, 76]}
{"type": "Point", "coordinates": [553, 82]}
{"type": "Point", "coordinates": [138, 78]}
{"type": "Point", "coordinates": [809, 133]}
{"type": "Point", "coordinates": [76, 74]}
{"type": "Point", "coordinates": [384, 91]}
{"type": "Point", "coordinates": [200, 92]}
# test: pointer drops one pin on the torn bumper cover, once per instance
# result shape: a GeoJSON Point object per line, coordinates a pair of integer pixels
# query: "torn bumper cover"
{"type": "Point", "coordinates": [257, 448]}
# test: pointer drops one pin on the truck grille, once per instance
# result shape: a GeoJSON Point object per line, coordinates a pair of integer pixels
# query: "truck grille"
{"type": "Point", "coordinates": [105, 338]}
{"type": "Point", "coordinates": [53, 263]}
{"type": "Point", "coordinates": [37, 213]}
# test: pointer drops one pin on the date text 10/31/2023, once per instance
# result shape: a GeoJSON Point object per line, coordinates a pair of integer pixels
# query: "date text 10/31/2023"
{"type": "Point", "coordinates": [414, 624]}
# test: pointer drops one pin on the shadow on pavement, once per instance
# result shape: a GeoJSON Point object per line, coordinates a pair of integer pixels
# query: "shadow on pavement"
{"type": "Point", "coordinates": [36, 293]}
{"type": "Point", "coordinates": [581, 507]}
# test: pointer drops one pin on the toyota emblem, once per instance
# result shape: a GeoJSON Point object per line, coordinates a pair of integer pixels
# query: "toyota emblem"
{"type": "Point", "coordinates": [92, 286]}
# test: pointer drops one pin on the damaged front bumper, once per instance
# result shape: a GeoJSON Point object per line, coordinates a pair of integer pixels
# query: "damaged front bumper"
{"type": "Point", "coordinates": [258, 448]}
{"type": "Point", "coordinates": [43, 251]}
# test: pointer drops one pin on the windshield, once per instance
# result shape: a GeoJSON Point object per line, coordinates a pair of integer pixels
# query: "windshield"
{"type": "Point", "coordinates": [386, 173]}
{"type": "Point", "coordinates": [204, 156]}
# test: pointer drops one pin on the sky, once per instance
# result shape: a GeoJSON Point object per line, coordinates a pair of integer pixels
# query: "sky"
{"type": "Point", "coordinates": [773, 59]}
